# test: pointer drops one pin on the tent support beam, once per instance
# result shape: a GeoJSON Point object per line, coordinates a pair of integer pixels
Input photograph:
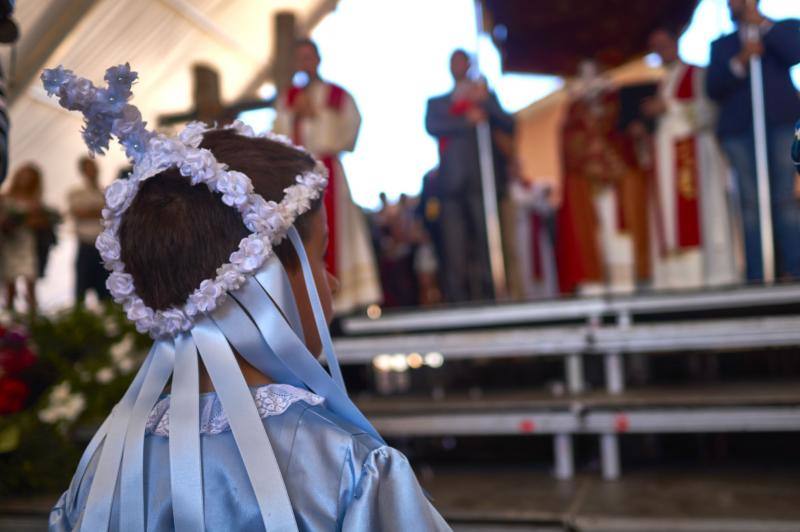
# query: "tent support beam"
{"type": "Point", "coordinates": [50, 30]}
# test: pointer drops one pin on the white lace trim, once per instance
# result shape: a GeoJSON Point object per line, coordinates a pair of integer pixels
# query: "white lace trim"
{"type": "Point", "coordinates": [271, 400]}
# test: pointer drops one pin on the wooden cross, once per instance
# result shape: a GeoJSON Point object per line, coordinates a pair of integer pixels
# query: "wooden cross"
{"type": "Point", "coordinates": [208, 104]}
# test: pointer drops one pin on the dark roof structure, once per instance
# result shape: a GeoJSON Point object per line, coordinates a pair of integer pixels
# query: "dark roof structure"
{"type": "Point", "coordinates": [554, 36]}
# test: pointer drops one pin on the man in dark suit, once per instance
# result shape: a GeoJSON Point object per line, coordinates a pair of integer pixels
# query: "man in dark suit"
{"type": "Point", "coordinates": [796, 149]}
{"type": "Point", "coordinates": [452, 119]}
{"type": "Point", "coordinates": [728, 83]}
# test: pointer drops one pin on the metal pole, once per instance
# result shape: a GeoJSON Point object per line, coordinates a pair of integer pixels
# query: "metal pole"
{"type": "Point", "coordinates": [762, 162]}
{"type": "Point", "coordinates": [574, 368]}
{"type": "Point", "coordinates": [488, 188]}
{"type": "Point", "coordinates": [609, 456]}
{"type": "Point", "coordinates": [565, 462]}
{"type": "Point", "coordinates": [615, 373]}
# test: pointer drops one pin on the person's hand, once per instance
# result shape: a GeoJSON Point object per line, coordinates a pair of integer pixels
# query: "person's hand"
{"type": "Point", "coordinates": [797, 186]}
{"type": "Point", "coordinates": [653, 107]}
{"type": "Point", "coordinates": [479, 92]}
{"type": "Point", "coordinates": [37, 219]}
{"type": "Point", "coordinates": [750, 49]}
{"type": "Point", "coordinates": [637, 130]}
{"type": "Point", "coordinates": [303, 106]}
{"type": "Point", "coordinates": [475, 115]}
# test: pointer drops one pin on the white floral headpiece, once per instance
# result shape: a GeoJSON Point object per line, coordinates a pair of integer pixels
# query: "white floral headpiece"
{"type": "Point", "coordinates": [106, 112]}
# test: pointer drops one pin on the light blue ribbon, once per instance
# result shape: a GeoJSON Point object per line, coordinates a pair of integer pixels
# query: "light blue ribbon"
{"type": "Point", "coordinates": [273, 275]}
{"type": "Point", "coordinates": [316, 305]}
{"type": "Point", "coordinates": [101, 494]}
{"type": "Point", "coordinates": [248, 429]}
{"type": "Point", "coordinates": [243, 335]}
{"type": "Point", "coordinates": [295, 355]}
{"type": "Point", "coordinates": [185, 466]}
{"type": "Point", "coordinates": [131, 488]}
{"type": "Point", "coordinates": [99, 436]}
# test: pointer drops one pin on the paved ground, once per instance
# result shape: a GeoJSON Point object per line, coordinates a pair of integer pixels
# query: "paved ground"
{"type": "Point", "coordinates": [669, 501]}
{"type": "Point", "coordinates": [527, 500]}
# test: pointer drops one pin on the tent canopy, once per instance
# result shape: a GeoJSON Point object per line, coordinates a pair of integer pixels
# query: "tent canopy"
{"type": "Point", "coordinates": [554, 36]}
{"type": "Point", "coordinates": [161, 39]}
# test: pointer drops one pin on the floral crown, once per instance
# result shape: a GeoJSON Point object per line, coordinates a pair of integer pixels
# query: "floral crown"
{"type": "Point", "coordinates": [107, 112]}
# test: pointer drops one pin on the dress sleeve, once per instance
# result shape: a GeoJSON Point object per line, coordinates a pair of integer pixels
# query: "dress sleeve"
{"type": "Point", "coordinates": [387, 497]}
{"type": "Point", "coordinates": [59, 519]}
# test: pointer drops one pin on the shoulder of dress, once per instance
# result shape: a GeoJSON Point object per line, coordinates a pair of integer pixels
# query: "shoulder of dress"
{"type": "Point", "coordinates": [330, 427]}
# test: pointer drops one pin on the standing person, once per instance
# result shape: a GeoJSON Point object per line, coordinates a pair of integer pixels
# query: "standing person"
{"type": "Point", "coordinates": [728, 83]}
{"type": "Point", "coordinates": [86, 206]}
{"type": "Point", "coordinates": [21, 215]}
{"type": "Point", "coordinates": [693, 241]}
{"type": "Point", "coordinates": [323, 117]}
{"type": "Point", "coordinates": [796, 155]}
{"type": "Point", "coordinates": [452, 118]}
{"type": "Point", "coordinates": [3, 128]}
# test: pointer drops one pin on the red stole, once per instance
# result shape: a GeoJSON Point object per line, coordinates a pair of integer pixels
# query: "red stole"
{"type": "Point", "coordinates": [334, 101]}
{"type": "Point", "coordinates": [687, 174]}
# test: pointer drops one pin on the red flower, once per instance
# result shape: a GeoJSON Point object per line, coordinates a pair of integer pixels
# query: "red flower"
{"type": "Point", "coordinates": [13, 393]}
{"type": "Point", "coordinates": [12, 361]}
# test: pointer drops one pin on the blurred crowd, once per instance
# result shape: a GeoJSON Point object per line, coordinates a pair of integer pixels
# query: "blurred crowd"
{"type": "Point", "coordinates": [658, 189]}
{"type": "Point", "coordinates": [29, 229]}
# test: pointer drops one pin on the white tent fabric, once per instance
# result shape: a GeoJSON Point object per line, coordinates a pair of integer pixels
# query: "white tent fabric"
{"type": "Point", "coordinates": [161, 39]}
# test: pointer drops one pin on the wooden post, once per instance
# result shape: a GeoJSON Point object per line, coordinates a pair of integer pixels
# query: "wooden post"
{"type": "Point", "coordinates": [207, 99]}
{"type": "Point", "coordinates": [283, 53]}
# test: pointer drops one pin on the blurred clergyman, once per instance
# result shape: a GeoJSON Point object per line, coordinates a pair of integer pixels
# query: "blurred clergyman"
{"type": "Point", "coordinates": [693, 241]}
{"type": "Point", "coordinates": [323, 117]}
{"type": "Point", "coordinates": [452, 118]}
{"type": "Point", "coordinates": [777, 43]}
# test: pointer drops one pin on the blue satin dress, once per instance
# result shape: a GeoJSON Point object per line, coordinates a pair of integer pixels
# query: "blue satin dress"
{"type": "Point", "coordinates": [337, 477]}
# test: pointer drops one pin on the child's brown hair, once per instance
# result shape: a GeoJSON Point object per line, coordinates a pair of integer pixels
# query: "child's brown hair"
{"type": "Point", "coordinates": [175, 235]}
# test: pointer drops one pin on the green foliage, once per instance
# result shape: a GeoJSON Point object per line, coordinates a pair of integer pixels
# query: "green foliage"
{"type": "Point", "coordinates": [85, 361]}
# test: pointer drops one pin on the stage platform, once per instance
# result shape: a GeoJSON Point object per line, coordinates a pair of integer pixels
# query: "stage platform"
{"type": "Point", "coordinates": [618, 308]}
{"type": "Point", "coordinates": [656, 501]}
{"type": "Point", "coordinates": [751, 407]}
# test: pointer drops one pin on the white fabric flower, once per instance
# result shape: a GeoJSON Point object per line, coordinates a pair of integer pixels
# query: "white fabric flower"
{"type": "Point", "coordinates": [295, 201]}
{"type": "Point", "coordinates": [264, 216]}
{"type": "Point", "coordinates": [242, 128]}
{"type": "Point", "coordinates": [312, 180]}
{"type": "Point", "coordinates": [251, 254]}
{"type": "Point", "coordinates": [108, 246]}
{"type": "Point", "coordinates": [283, 139]}
{"type": "Point", "coordinates": [162, 153]}
{"type": "Point", "coordinates": [206, 298]}
{"type": "Point", "coordinates": [230, 277]}
{"type": "Point", "coordinates": [192, 134]}
{"type": "Point", "coordinates": [235, 188]}
{"type": "Point", "coordinates": [118, 194]}
{"type": "Point", "coordinates": [200, 166]}
{"type": "Point", "coordinates": [173, 321]}
{"type": "Point", "coordinates": [120, 285]}
{"type": "Point", "coordinates": [139, 313]}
